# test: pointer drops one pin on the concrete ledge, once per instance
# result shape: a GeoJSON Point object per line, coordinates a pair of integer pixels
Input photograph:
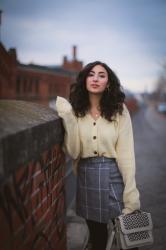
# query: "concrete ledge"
{"type": "Point", "coordinates": [26, 129]}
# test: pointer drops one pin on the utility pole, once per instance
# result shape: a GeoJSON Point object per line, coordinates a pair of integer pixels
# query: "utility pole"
{"type": "Point", "coordinates": [0, 22]}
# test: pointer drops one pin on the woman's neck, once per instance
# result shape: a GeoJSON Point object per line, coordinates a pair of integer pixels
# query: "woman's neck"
{"type": "Point", "coordinates": [94, 101]}
{"type": "Point", "coordinates": [94, 109]}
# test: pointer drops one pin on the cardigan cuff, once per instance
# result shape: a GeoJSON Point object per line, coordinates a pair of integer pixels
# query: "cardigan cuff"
{"type": "Point", "coordinates": [127, 211]}
{"type": "Point", "coordinates": [63, 107]}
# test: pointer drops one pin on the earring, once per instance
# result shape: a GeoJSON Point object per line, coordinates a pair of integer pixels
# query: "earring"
{"type": "Point", "coordinates": [108, 87]}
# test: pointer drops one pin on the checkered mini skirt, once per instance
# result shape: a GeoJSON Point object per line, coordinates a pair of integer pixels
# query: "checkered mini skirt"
{"type": "Point", "coordinates": [99, 189]}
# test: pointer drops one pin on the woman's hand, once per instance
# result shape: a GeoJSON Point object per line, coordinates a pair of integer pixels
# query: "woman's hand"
{"type": "Point", "coordinates": [62, 105]}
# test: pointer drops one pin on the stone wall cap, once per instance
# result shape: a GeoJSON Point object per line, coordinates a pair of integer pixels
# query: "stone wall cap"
{"type": "Point", "coordinates": [16, 115]}
{"type": "Point", "coordinates": [26, 131]}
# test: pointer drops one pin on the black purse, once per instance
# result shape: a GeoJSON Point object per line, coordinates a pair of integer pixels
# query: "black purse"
{"type": "Point", "coordinates": [131, 230]}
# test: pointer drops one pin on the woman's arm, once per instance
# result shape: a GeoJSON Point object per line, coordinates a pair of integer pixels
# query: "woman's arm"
{"type": "Point", "coordinates": [126, 162]}
{"type": "Point", "coordinates": [71, 139]}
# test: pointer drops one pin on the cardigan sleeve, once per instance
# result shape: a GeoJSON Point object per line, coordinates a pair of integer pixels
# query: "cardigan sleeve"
{"type": "Point", "coordinates": [71, 138]}
{"type": "Point", "coordinates": [126, 162]}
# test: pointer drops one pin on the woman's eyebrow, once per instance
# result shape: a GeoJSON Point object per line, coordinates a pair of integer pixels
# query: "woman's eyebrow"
{"type": "Point", "coordinates": [101, 72]}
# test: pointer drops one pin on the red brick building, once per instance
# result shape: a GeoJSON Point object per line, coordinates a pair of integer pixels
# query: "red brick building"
{"type": "Point", "coordinates": [38, 83]}
{"type": "Point", "coordinates": [8, 67]}
{"type": "Point", "coordinates": [35, 82]}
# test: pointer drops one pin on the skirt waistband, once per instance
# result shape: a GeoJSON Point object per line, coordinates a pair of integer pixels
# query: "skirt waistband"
{"type": "Point", "coordinates": [98, 159]}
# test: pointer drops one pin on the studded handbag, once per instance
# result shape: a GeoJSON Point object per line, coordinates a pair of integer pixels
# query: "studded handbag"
{"type": "Point", "coordinates": [134, 230]}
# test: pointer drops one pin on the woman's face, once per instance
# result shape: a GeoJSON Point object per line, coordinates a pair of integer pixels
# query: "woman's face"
{"type": "Point", "coordinates": [97, 80]}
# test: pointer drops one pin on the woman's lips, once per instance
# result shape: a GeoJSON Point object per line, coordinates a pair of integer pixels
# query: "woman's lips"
{"type": "Point", "coordinates": [94, 86]}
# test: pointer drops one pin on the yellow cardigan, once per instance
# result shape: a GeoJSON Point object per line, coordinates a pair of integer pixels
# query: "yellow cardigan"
{"type": "Point", "coordinates": [86, 137]}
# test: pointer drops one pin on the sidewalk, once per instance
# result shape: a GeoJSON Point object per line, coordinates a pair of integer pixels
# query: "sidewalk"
{"type": "Point", "coordinates": [77, 231]}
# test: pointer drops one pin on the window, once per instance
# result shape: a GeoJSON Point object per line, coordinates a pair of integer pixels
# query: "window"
{"type": "Point", "coordinates": [36, 86]}
{"type": "Point", "coordinates": [18, 85]}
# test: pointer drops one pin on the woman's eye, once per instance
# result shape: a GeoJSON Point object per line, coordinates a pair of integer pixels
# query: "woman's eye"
{"type": "Point", "coordinates": [90, 74]}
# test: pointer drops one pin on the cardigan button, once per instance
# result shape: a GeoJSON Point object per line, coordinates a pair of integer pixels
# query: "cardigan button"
{"type": "Point", "coordinates": [94, 137]}
{"type": "Point", "coordinates": [95, 152]}
{"type": "Point", "coordinates": [94, 123]}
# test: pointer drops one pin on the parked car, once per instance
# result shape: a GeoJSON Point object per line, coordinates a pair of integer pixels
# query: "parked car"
{"type": "Point", "coordinates": [162, 107]}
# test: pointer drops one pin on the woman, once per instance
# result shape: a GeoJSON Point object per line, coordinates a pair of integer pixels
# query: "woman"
{"type": "Point", "coordinates": [99, 137]}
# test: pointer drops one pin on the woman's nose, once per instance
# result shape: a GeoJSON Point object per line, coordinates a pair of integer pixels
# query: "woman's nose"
{"type": "Point", "coordinates": [95, 78]}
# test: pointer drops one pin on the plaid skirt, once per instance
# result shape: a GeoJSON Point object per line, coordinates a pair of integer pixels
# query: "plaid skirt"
{"type": "Point", "coordinates": [100, 189]}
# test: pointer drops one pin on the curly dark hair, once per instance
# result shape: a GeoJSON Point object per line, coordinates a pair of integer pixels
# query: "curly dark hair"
{"type": "Point", "coordinates": [111, 101]}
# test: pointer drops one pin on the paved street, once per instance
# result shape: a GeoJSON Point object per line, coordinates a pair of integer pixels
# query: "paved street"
{"type": "Point", "coordinates": [150, 147]}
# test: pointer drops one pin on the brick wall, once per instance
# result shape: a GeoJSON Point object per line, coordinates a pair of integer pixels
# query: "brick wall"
{"type": "Point", "coordinates": [32, 170]}
{"type": "Point", "coordinates": [40, 85]}
{"type": "Point", "coordinates": [7, 73]}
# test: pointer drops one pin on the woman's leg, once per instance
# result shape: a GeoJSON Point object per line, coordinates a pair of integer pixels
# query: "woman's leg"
{"type": "Point", "coordinates": [98, 234]}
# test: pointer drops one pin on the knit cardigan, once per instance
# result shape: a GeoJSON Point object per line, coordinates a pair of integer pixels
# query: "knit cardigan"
{"type": "Point", "coordinates": [86, 137]}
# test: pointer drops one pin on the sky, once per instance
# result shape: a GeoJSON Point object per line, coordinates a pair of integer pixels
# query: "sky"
{"type": "Point", "coordinates": [128, 35]}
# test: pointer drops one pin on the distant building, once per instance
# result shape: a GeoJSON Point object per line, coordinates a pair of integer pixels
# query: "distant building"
{"type": "Point", "coordinates": [38, 83]}
{"type": "Point", "coordinates": [8, 67]}
{"type": "Point", "coordinates": [35, 82]}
